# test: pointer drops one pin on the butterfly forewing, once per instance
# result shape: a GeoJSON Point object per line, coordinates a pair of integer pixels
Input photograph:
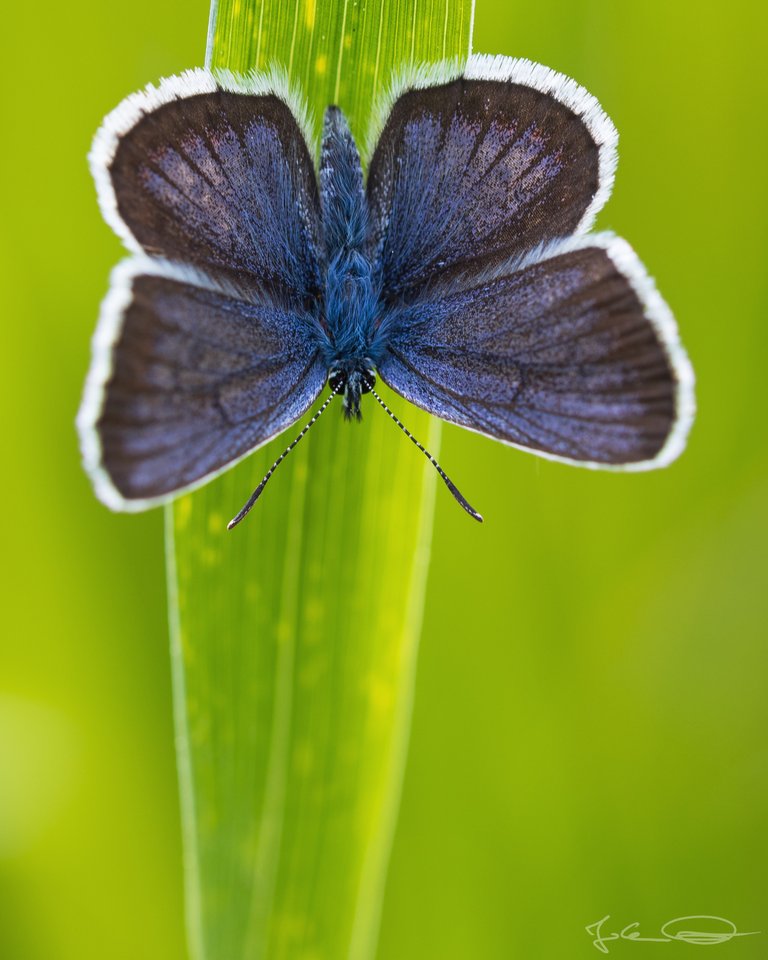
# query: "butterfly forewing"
{"type": "Point", "coordinates": [484, 168]}
{"type": "Point", "coordinates": [187, 378]}
{"type": "Point", "coordinates": [574, 356]}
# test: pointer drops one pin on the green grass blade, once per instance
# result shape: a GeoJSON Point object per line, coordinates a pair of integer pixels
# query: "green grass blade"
{"type": "Point", "coordinates": [294, 637]}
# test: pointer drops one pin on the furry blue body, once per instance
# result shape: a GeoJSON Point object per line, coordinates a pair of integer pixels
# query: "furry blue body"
{"type": "Point", "coordinates": [353, 338]}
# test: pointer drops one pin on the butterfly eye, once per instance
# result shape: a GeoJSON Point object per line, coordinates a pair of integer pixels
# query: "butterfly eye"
{"type": "Point", "coordinates": [368, 380]}
{"type": "Point", "coordinates": [337, 381]}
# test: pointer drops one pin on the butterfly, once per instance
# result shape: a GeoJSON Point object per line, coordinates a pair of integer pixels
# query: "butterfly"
{"type": "Point", "coordinates": [460, 271]}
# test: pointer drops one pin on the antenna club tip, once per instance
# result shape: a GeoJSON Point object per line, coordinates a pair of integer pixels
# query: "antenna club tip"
{"type": "Point", "coordinates": [478, 516]}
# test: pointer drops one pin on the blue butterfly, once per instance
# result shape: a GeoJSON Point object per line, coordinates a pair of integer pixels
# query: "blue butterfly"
{"type": "Point", "coordinates": [460, 271]}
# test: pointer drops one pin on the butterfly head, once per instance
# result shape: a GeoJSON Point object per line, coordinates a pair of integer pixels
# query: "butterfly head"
{"type": "Point", "coordinates": [352, 381]}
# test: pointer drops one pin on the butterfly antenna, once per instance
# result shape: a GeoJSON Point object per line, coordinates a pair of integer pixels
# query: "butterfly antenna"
{"type": "Point", "coordinates": [258, 491]}
{"type": "Point", "coordinates": [446, 479]}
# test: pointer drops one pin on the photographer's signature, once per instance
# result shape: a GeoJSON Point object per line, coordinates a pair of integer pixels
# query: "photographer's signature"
{"type": "Point", "coordinates": [696, 929]}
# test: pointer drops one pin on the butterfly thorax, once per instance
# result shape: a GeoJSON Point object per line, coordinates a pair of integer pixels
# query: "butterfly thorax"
{"type": "Point", "coordinates": [351, 304]}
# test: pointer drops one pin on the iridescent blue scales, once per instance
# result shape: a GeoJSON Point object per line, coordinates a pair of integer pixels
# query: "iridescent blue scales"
{"type": "Point", "coordinates": [460, 271]}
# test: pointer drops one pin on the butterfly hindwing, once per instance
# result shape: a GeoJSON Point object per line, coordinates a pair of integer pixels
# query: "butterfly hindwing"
{"type": "Point", "coordinates": [221, 179]}
{"type": "Point", "coordinates": [188, 375]}
{"type": "Point", "coordinates": [573, 356]}
{"type": "Point", "coordinates": [484, 166]}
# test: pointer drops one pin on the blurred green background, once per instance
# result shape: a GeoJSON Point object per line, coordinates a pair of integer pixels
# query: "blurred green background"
{"type": "Point", "coordinates": [590, 726]}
